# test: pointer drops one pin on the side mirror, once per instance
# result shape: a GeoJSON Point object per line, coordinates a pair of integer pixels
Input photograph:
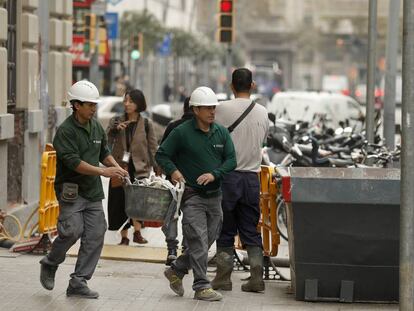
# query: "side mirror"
{"type": "Point", "coordinates": [271, 117]}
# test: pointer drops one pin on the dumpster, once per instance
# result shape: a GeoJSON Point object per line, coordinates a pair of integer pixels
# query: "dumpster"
{"type": "Point", "coordinates": [343, 233]}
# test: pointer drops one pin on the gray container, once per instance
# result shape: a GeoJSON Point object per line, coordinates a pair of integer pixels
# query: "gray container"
{"type": "Point", "coordinates": [147, 203]}
{"type": "Point", "coordinates": [344, 233]}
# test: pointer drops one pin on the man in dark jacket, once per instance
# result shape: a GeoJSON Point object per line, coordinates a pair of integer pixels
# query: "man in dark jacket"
{"type": "Point", "coordinates": [171, 232]}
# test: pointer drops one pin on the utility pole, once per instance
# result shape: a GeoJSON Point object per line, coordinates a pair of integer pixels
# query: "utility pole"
{"type": "Point", "coordinates": [43, 13]}
{"type": "Point", "coordinates": [229, 65]}
{"type": "Point", "coordinates": [94, 64]}
{"type": "Point", "coordinates": [166, 6]}
{"type": "Point", "coordinates": [391, 73]}
{"type": "Point", "coordinates": [372, 44]}
{"type": "Point", "coordinates": [407, 164]}
{"type": "Point", "coordinates": [98, 8]}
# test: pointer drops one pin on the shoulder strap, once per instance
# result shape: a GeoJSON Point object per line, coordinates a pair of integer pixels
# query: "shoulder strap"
{"type": "Point", "coordinates": [146, 126]}
{"type": "Point", "coordinates": [152, 161]}
{"type": "Point", "coordinates": [244, 114]}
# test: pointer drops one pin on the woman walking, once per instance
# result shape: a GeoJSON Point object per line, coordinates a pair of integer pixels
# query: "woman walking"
{"type": "Point", "coordinates": [133, 147]}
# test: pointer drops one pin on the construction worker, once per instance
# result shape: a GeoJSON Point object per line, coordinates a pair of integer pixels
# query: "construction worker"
{"type": "Point", "coordinates": [199, 152]}
{"type": "Point", "coordinates": [241, 188]}
{"type": "Point", "coordinates": [80, 144]}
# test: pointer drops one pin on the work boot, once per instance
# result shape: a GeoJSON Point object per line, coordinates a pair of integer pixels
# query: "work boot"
{"type": "Point", "coordinates": [81, 292]}
{"type": "Point", "coordinates": [176, 283]}
{"type": "Point", "coordinates": [172, 255]}
{"type": "Point", "coordinates": [47, 275]}
{"type": "Point", "coordinates": [138, 238]}
{"type": "Point", "coordinates": [208, 294]}
{"type": "Point", "coordinates": [255, 283]}
{"type": "Point", "coordinates": [124, 241]}
{"type": "Point", "coordinates": [224, 262]}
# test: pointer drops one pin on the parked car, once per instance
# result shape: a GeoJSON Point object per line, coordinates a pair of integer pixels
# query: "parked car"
{"type": "Point", "coordinates": [303, 106]}
{"type": "Point", "coordinates": [109, 107]}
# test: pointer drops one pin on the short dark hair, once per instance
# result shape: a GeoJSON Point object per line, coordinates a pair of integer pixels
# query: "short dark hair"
{"type": "Point", "coordinates": [186, 106]}
{"type": "Point", "coordinates": [241, 80]}
{"type": "Point", "coordinates": [137, 98]}
{"type": "Point", "coordinates": [75, 101]}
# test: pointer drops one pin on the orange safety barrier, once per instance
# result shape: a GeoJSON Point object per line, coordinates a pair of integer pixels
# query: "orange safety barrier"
{"type": "Point", "coordinates": [48, 204]}
{"type": "Point", "coordinates": [268, 214]}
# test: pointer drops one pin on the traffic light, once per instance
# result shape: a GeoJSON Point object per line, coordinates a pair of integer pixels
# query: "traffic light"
{"type": "Point", "coordinates": [137, 46]}
{"type": "Point", "coordinates": [89, 31]}
{"type": "Point", "coordinates": [225, 33]}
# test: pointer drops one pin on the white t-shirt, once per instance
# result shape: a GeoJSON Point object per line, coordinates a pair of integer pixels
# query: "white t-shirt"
{"type": "Point", "coordinates": [249, 136]}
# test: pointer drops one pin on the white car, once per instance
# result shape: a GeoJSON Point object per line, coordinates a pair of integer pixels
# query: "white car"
{"type": "Point", "coordinates": [304, 106]}
{"type": "Point", "coordinates": [110, 106]}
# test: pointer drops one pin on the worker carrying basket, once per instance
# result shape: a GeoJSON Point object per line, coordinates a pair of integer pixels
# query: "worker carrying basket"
{"type": "Point", "coordinates": [152, 199]}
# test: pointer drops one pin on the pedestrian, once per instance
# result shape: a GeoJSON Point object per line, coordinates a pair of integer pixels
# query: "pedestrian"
{"type": "Point", "coordinates": [120, 86]}
{"type": "Point", "coordinates": [199, 152]}
{"type": "Point", "coordinates": [166, 92]}
{"type": "Point", "coordinates": [80, 144]}
{"type": "Point", "coordinates": [134, 145]}
{"type": "Point", "coordinates": [171, 232]}
{"type": "Point", "coordinates": [241, 188]}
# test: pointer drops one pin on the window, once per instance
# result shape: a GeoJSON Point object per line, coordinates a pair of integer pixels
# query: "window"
{"type": "Point", "coordinates": [11, 7]}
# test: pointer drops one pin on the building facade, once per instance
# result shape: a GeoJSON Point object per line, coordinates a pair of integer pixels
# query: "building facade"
{"type": "Point", "coordinates": [297, 42]}
{"type": "Point", "coordinates": [35, 74]}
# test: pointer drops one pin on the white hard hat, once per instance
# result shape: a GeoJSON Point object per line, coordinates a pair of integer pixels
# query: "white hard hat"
{"type": "Point", "coordinates": [203, 96]}
{"type": "Point", "coordinates": [84, 91]}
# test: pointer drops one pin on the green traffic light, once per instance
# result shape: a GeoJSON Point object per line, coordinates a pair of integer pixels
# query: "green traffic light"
{"type": "Point", "coordinates": [135, 54]}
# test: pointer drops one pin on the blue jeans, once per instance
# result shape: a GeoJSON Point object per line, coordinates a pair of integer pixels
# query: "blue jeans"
{"type": "Point", "coordinates": [241, 209]}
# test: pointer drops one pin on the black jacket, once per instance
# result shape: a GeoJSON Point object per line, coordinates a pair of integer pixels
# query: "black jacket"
{"type": "Point", "coordinates": [172, 125]}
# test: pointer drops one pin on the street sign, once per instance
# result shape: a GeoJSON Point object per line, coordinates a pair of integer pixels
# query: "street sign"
{"type": "Point", "coordinates": [98, 8]}
{"type": "Point", "coordinates": [164, 49]}
{"type": "Point", "coordinates": [112, 25]}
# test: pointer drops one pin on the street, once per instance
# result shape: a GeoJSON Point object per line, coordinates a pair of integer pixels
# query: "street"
{"type": "Point", "coordinates": [128, 284]}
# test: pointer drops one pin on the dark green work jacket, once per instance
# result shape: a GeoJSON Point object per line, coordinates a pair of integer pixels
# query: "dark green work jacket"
{"type": "Point", "coordinates": [196, 152]}
{"type": "Point", "coordinates": [75, 143]}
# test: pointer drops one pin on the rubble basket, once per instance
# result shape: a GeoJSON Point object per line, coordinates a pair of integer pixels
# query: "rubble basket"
{"type": "Point", "coordinates": [147, 203]}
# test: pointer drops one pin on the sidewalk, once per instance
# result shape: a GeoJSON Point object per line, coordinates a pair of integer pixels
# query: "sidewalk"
{"type": "Point", "coordinates": [133, 280]}
{"type": "Point", "coordinates": [127, 285]}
